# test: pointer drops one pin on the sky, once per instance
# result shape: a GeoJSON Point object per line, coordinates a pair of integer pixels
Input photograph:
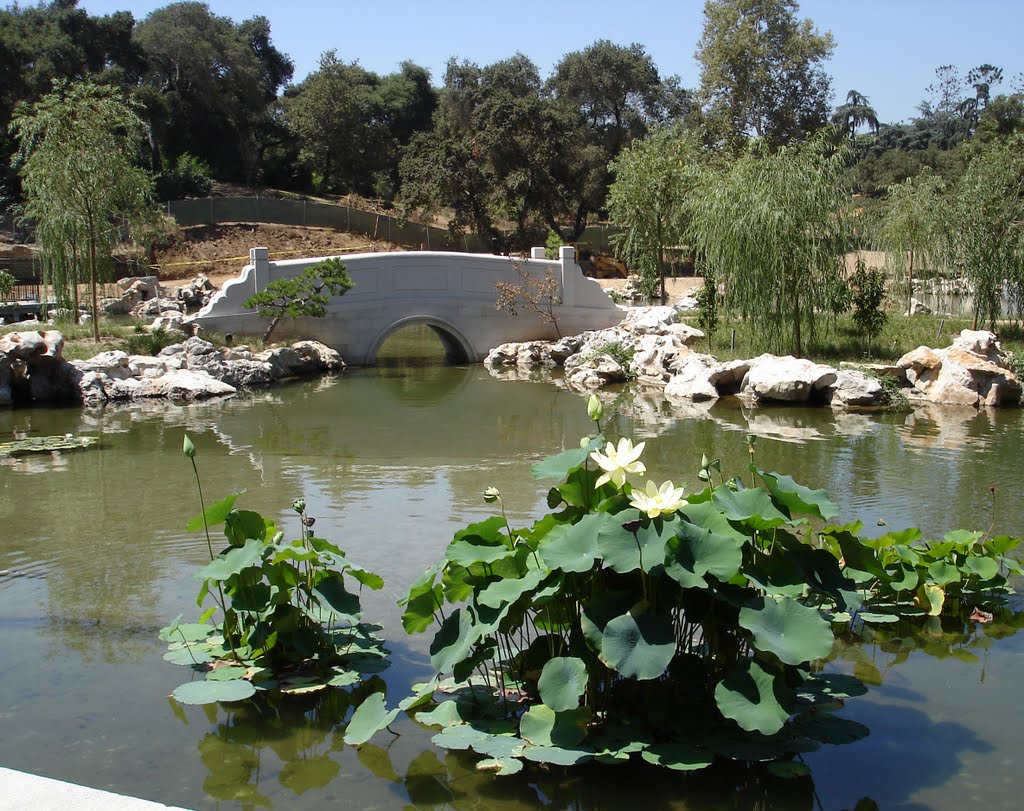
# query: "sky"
{"type": "Point", "coordinates": [888, 50]}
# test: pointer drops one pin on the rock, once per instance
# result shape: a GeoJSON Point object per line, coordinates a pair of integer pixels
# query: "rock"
{"type": "Point", "coordinates": [526, 355]}
{"type": "Point", "coordinates": [197, 346]}
{"type": "Point", "coordinates": [595, 373]}
{"type": "Point", "coordinates": [692, 379]}
{"type": "Point", "coordinates": [686, 303]}
{"type": "Point", "coordinates": [284, 362]}
{"type": "Point", "coordinates": [235, 373]}
{"type": "Point", "coordinates": [685, 333]}
{"type": "Point", "coordinates": [114, 364]}
{"type": "Point", "coordinates": [968, 372]}
{"type": "Point", "coordinates": [855, 389]}
{"type": "Point", "coordinates": [140, 288]}
{"type": "Point", "coordinates": [172, 322]}
{"type": "Point", "coordinates": [32, 344]}
{"type": "Point", "coordinates": [727, 376]}
{"type": "Point", "coordinates": [172, 349]}
{"type": "Point", "coordinates": [647, 320]}
{"type": "Point", "coordinates": [565, 348]}
{"type": "Point", "coordinates": [320, 356]}
{"type": "Point", "coordinates": [918, 308]}
{"type": "Point", "coordinates": [503, 355]}
{"type": "Point", "coordinates": [787, 379]}
{"type": "Point", "coordinates": [655, 358]}
{"type": "Point", "coordinates": [149, 366]}
{"type": "Point", "coordinates": [182, 384]}
{"type": "Point", "coordinates": [115, 306]}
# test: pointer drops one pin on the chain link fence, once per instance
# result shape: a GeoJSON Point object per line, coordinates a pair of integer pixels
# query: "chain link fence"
{"type": "Point", "coordinates": [273, 210]}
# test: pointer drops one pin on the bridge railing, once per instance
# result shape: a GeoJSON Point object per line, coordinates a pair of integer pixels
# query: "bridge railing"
{"type": "Point", "coordinates": [308, 213]}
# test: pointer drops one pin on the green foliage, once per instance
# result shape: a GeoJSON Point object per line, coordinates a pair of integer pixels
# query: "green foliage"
{"type": "Point", "coordinates": [77, 156]}
{"type": "Point", "coordinates": [622, 353]}
{"type": "Point", "coordinates": [187, 177]}
{"type": "Point", "coordinates": [647, 199]}
{"type": "Point", "coordinates": [707, 300]}
{"type": "Point", "coordinates": [534, 294]}
{"type": "Point", "coordinates": [985, 233]}
{"type": "Point", "coordinates": [7, 282]}
{"type": "Point", "coordinates": [771, 228]}
{"type": "Point", "coordinates": [45, 444]}
{"type": "Point", "coordinates": [867, 295]}
{"type": "Point", "coordinates": [149, 342]}
{"type": "Point", "coordinates": [283, 615]}
{"type": "Point", "coordinates": [762, 72]}
{"type": "Point", "coordinates": [600, 632]}
{"type": "Point", "coordinates": [552, 245]}
{"type": "Point", "coordinates": [301, 296]}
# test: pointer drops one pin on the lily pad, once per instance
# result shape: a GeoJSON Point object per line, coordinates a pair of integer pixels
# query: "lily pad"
{"type": "Point", "coordinates": [369, 718]}
{"type": "Point", "coordinates": [795, 633]}
{"type": "Point", "coordinates": [229, 673]}
{"type": "Point", "coordinates": [680, 757]}
{"type": "Point", "coordinates": [542, 726]}
{"type": "Point", "coordinates": [556, 755]}
{"type": "Point", "coordinates": [502, 766]}
{"type": "Point", "coordinates": [45, 444]}
{"type": "Point", "coordinates": [210, 692]}
{"type": "Point", "coordinates": [754, 698]}
{"type": "Point", "coordinates": [639, 647]}
{"type": "Point", "coordinates": [562, 681]}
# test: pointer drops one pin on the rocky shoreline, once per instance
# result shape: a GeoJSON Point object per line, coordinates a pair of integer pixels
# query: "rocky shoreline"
{"type": "Point", "coordinates": [652, 346]}
{"type": "Point", "coordinates": [33, 370]}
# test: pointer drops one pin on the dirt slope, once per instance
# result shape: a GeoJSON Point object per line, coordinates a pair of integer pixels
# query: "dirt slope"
{"type": "Point", "coordinates": [220, 251]}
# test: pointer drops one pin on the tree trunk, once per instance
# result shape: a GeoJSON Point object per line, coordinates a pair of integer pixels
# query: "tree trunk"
{"type": "Point", "coordinates": [273, 324]}
{"type": "Point", "coordinates": [92, 279]}
{"type": "Point", "coordinates": [74, 279]}
{"type": "Point", "coordinates": [910, 283]}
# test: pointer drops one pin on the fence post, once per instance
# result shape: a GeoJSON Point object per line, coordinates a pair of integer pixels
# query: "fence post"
{"type": "Point", "coordinates": [303, 212]}
{"type": "Point", "coordinates": [427, 229]}
{"type": "Point", "coordinates": [211, 211]}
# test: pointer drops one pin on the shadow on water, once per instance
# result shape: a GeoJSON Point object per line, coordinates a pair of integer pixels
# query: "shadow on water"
{"type": "Point", "coordinates": [268, 752]}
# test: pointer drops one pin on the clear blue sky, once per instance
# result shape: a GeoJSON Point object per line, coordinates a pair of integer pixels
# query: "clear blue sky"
{"type": "Point", "coordinates": [886, 49]}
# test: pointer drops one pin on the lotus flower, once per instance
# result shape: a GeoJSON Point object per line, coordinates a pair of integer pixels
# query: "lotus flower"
{"type": "Point", "coordinates": [618, 462]}
{"type": "Point", "coordinates": [656, 500]}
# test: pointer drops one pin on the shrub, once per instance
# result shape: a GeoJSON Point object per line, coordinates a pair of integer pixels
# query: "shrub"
{"type": "Point", "coordinates": [142, 342]}
{"type": "Point", "coordinates": [300, 296]}
{"type": "Point", "coordinates": [188, 176]}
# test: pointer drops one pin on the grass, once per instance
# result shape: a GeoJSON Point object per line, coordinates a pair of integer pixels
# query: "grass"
{"type": "Point", "coordinates": [842, 342]}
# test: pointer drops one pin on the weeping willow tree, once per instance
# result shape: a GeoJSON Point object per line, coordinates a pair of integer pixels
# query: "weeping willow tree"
{"type": "Point", "coordinates": [646, 200]}
{"type": "Point", "coordinates": [910, 229]}
{"type": "Point", "coordinates": [771, 228]}
{"type": "Point", "coordinates": [78, 151]}
{"type": "Point", "coordinates": [986, 230]}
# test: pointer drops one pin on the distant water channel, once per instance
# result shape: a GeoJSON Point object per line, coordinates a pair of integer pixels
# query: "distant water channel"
{"type": "Point", "coordinates": [391, 461]}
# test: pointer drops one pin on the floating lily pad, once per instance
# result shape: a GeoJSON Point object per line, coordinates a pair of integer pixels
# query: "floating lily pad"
{"type": "Point", "coordinates": [369, 718]}
{"type": "Point", "coordinates": [210, 692]}
{"type": "Point", "coordinates": [229, 673]}
{"type": "Point", "coordinates": [503, 766]}
{"type": "Point", "coordinates": [681, 757]}
{"type": "Point", "coordinates": [45, 444]}
{"type": "Point", "coordinates": [543, 726]}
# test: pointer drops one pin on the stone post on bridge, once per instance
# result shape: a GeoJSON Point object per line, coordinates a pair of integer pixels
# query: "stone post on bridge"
{"type": "Point", "coordinates": [259, 258]}
{"type": "Point", "coordinates": [570, 275]}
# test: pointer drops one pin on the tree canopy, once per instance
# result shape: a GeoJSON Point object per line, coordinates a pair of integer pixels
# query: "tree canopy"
{"type": "Point", "coordinates": [762, 72]}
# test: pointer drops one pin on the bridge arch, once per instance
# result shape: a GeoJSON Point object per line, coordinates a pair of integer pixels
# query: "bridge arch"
{"type": "Point", "coordinates": [457, 349]}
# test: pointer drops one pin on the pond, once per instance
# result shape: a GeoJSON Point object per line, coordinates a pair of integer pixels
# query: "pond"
{"type": "Point", "coordinates": [391, 461]}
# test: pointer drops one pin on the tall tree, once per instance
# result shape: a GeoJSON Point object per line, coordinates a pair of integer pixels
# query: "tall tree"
{"type": "Point", "coordinates": [986, 229]}
{"type": "Point", "coordinates": [350, 123]}
{"type": "Point", "coordinates": [771, 228]}
{"type": "Point", "coordinates": [647, 199]}
{"type": "Point", "coordinates": [762, 72]}
{"type": "Point", "coordinates": [79, 147]}
{"type": "Point", "coordinates": [490, 154]}
{"type": "Point", "coordinates": [855, 113]}
{"type": "Point", "coordinates": [910, 229]}
{"type": "Point", "coordinates": [610, 95]}
{"type": "Point", "coordinates": [209, 87]}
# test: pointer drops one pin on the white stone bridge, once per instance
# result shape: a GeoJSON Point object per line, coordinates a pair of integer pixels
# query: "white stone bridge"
{"type": "Point", "coordinates": [455, 294]}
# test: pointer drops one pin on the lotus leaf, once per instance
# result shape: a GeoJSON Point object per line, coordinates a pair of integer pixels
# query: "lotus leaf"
{"type": "Point", "coordinates": [45, 444]}
{"type": "Point", "coordinates": [597, 612]}
{"type": "Point", "coordinates": [241, 525]}
{"type": "Point", "coordinates": [543, 726]}
{"type": "Point", "coordinates": [556, 755]}
{"type": "Point", "coordinates": [228, 673]}
{"type": "Point", "coordinates": [639, 647]}
{"type": "Point", "coordinates": [753, 507]}
{"type": "Point", "coordinates": [556, 467]}
{"type": "Point", "coordinates": [795, 633]}
{"type": "Point", "coordinates": [680, 757]}
{"type": "Point", "coordinates": [562, 681]}
{"type": "Point", "coordinates": [754, 698]}
{"type": "Point", "coordinates": [797, 498]}
{"type": "Point", "coordinates": [508, 590]}
{"type": "Point", "coordinates": [445, 714]}
{"type": "Point", "coordinates": [697, 551]}
{"type": "Point", "coordinates": [503, 766]}
{"type": "Point", "coordinates": [210, 692]}
{"type": "Point", "coordinates": [459, 736]}
{"type": "Point", "coordinates": [943, 573]}
{"type": "Point", "coordinates": [344, 678]}
{"type": "Point", "coordinates": [215, 514]}
{"type": "Point", "coordinates": [982, 568]}
{"type": "Point", "coordinates": [369, 718]}
{"type": "Point", "coordinates": [829, 728]}
{"type": "Point", "coordinates": [573, 547]}
{"type": "Point", "coordinates": [623, 551]}
{"type": "Point", "coordinates": [233, 561]}
{"type": "Point", "coordinates": [453, 641]}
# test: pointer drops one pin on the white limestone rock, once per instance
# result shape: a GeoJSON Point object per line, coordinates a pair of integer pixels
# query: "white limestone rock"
{"type": "Point", "coordinates": [649, 320]}
{"type": "Point", "coordinates": [692, 379]}
{"type": "Point", "coordinates": [855, 389]}
{"type": "Point", "coordinates": [786, 379]}
{"type": "Point", "coordinates": [318, 356]}
{"type": "Point", "coordinates": [969, 372]}
{"type": "Point", "coordinates": [596, 372]}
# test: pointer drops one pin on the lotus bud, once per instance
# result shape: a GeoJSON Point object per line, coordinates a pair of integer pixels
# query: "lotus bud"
{"type": "Point", "coordinates": [491, 494]}
{"type": "Point", "coordinates": [188, 448]}
{"type": "Point", "coordinates": [594, 408]}
{"type": "Point", "coordinates": [299, 505]}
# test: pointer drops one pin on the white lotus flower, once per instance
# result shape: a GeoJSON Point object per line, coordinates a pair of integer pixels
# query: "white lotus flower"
{"type": "Point", "coordinates": [617, 462]}
{"type": "Point", "coordinates": [657, 501]}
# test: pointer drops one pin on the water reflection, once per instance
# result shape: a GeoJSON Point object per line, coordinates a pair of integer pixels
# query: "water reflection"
{"type": "Point", "coordinates": [93, 560]}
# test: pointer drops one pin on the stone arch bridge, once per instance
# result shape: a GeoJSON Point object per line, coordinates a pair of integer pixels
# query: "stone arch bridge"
{"type": "Point", "coordinates": [454, 294]}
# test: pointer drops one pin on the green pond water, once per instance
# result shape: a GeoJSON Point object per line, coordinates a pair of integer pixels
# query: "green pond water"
{"type": "Point", "coordinates": [391, 461]}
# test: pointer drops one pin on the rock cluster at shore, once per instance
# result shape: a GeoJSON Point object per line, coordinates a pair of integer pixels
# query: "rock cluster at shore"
{"type": "Point", "coordinates": [32, 368]}
{"type": "Point", "coordinates": [652, 346]}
